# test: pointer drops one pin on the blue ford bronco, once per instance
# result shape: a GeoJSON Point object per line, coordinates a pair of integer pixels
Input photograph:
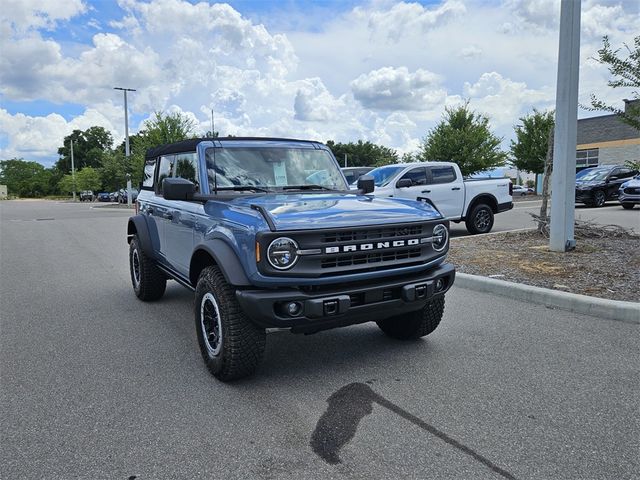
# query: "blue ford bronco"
{"type": "Point", "coordinates": [267, 234]}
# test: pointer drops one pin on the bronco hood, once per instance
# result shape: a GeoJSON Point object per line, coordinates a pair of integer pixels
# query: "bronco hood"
{"type": "Point", "coordinates": [307, 211]}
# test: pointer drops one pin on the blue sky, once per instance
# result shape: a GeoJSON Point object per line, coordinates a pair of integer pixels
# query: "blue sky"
{"type": "Point", "coordinates": [378, 70]}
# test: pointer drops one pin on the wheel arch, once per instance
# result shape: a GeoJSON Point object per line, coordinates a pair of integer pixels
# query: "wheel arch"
{"type": "Point", "coordinates": [486, 198]}
{"type": "Point", "coordinates": [138, 226]}
{"type": "Point", "coordinates": [217, 253]}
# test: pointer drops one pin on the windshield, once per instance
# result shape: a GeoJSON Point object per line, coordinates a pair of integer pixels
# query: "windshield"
{"type": "Point", "coordinates": [383, 175]}
{"type": "Point", "coordinates": [272, 168]}
{"type": "Point", "coordinates": [593, 174]}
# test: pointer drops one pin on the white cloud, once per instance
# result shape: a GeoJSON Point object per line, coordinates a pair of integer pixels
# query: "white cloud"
{"type": "Point", "coordinates": [313, 102]}
{"type": "Point", "coordinates": [391, 88]}
{"type": "Point", "coordinates": [23, 15]}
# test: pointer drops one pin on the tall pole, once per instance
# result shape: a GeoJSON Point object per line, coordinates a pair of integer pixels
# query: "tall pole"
{"type": "Point", "coordinates": [73, 172]}
{"type": "Point", "coordinates": [213, 127]}
{"type": "Point", "coordinates": [345, 160]}
{"type": "Point", "coordinates": [563, 179]}
{"type": "Point", "coordinates": [126, 138]}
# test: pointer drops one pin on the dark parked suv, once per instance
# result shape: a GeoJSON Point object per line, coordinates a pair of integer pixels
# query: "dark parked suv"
{"type": "Point", "coordinates": [594, 186]}
{"type": "Point", "coordinates": [244, 223]}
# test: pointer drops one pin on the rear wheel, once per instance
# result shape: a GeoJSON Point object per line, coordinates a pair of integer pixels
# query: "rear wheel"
{"type": "Point", "coordinates": [231, 345]}
{"type": "Point", "coordinates": [480, 220]}
{"type": "Point", "coordinates": [415, 324]}
{"type": "Point", "coordinates": [149, 283]}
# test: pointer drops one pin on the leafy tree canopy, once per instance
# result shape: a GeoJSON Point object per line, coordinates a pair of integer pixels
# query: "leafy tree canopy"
{"type": "Point", "coordinates": [362, 154]}
{"type": "Point", "coordinates": [625, 72]}
{"type": "Point", "coordinates": [463, 137]}
{"type": "Point", "coordinates": [529, 151]}
{"type": "Point", "coordinates": [89, 146]}
{"type": "Point", "coordinates": [25, 179]}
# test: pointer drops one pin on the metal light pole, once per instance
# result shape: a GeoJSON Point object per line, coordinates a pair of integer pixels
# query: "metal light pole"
{"type": "Point", "coordinates": [73, 172]}
{"type": "Point", "coordinates": [564, 151]}
{"type": "Point", "coordinates": [126, 137]}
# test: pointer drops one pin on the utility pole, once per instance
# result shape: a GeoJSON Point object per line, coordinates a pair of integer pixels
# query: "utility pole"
{"type": "Point", "coordinates": [345, 160]}
{"type": "Point", "coordinates": [561, 238]}
{"type": "Point", "coordinates": [213, 127]}
{"type": "Point", "coordinates": [126, 138]}
{"type": "Point", "coordinates": [73, 172]}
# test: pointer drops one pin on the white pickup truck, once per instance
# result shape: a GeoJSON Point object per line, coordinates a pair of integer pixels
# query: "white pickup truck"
{"type": "Point", "coordinates": [474, 201]}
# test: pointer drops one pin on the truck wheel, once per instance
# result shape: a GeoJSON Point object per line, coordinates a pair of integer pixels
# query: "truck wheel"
{"type": "Point", "coordinates": [231, 345]}
{"type": "Point", "coordinates": [415, 324]}
{"type": "Point", "coordinates": [628, 206]}
{"type": "Point", "coordinates": [599, 198]}
{"type": "Point", "coordinates": [148, 281]}
{"type": "Point", "coordinates": [480, 220]}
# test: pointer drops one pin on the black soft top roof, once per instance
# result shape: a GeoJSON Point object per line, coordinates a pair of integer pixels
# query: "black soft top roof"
{"type": "Point", "coordinates": [191, 144]}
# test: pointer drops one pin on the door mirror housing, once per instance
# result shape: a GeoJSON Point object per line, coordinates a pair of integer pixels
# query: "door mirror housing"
{"type": "Point", "coordinates": [613, 177]}
{"type": "Point", "coordinates": [366, 184]}
{"type": "Point", "coordinates": [178, 189]}
{"type": "Point", "coordinates": [404, 183]}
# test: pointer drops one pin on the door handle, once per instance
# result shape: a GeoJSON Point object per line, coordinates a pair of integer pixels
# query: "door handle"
{"type": "Point", "coordinates": [455, 188]}
{"type": "Point", "coordinates": [426, 191]}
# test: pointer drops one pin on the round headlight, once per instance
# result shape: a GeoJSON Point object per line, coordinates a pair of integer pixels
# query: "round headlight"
{"type": "Point", "coordinates": [439, 237]}
{"type": "Point", "coordinates": [282, 253]}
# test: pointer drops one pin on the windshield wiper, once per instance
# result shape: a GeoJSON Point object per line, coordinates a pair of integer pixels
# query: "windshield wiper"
{"type": "Point", "coordinates": [307, 187]}
{"type": "Point", "coordinates": [245, 188]}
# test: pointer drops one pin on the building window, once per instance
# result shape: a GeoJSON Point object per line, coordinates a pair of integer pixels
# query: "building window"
{"type": "Point", "coordinates": [587, 158]}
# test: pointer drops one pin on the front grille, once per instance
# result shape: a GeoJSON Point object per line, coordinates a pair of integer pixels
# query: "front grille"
{"type": "Point", "coordinates": [369, 258]}
{"type": "Point", "coordinates": [632, 191]}
{"type": "Point", "coordinates": [372, 234]}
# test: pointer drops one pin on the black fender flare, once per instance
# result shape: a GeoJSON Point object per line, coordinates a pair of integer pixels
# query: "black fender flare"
{"type": "Point", "coordinates": [488, 198]}
{"type": "Point", "coordinates": [137, 225]}
{"type": "Point", "coordinates": [223, 256]}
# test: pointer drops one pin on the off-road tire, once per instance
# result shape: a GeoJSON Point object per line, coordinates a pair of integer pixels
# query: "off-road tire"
{"type": "Point", "coordinates": [628, 206]}
{"type": "Point", "coordinates": [148, 282]}
{"type": "Point", "coordinates": [599, 198]}
{"type": "Point", "coordinates": [415, 324]}
{"type": "Point", "coordinates": [480, 219]}
{"type": "Point", "coordinates": [242, 343]}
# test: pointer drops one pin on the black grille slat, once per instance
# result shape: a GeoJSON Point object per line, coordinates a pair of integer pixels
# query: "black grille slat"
{"type": "Point", "coordinates": [372, 234]}
{"type": "Point", "coordinates": [369, 258]}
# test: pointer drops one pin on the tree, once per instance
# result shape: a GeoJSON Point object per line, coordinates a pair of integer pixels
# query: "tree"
{"type": "Point", "coordinates": [23, 178]}
{"type": "Point", "coordinates": [88, 179]}
{"type": "Point", "coordinates": [529, 151]}
{"type": "Point", "coordinates": [89, 148]}
{"type": "Point", "coordinates": [362, 154]}
{"type": "Point", "coordinates": [463, 137]}
{"type": "Point", "coordinates": [626, 73]}
{"type": "Point", "coordinates": [167, 128]}
{"type": "Point", "coordinates": [113, 173]}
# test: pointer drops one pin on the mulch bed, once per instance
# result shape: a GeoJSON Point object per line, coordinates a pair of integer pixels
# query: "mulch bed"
{"type": "Point", "coordinates": [599, 267]}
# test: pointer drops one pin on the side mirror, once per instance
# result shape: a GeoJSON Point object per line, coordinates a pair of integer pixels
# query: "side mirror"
{"type": "Point", "coordinates": [366, 184]}
{"type": "Point", "coordinates": [404, 183]}
{"type": "Point", "coordinates": [178, 189]}
{"type": "Point", "coordinates": [613, 177]}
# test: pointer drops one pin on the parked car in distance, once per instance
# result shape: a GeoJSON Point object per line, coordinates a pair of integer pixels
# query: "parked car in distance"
{"type": "Point", "coordinates": [473, 201]}
{"type": "Point", "coordinates": [103, 197]}
{"type": "Point", "coordinates": [122, 195]}
{"type": "Point", "coordinates": [86, 196]}
{"type": "Point", "coordinates": [522, 191]}
{"type": "Point", "coordinates": [629, 193]}
{"type": "Point", "coordinates": [352, 174]}
{"type": "Point", "coordinates": [594, 186]}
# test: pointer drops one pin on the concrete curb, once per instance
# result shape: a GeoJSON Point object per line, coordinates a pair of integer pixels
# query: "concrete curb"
{"type": "Point", "coordinates": [598, 307]}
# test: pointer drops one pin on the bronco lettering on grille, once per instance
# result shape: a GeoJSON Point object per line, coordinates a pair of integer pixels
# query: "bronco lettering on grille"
{"type": "Point", "coordinates": [373, 246]}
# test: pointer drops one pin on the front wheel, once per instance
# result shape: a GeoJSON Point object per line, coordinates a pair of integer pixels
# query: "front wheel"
{"type": "Point", "coordinates": [628, 206]}
{"type": "Point", "coordinates": [599, 198]}
{"type": "Point", "coordinates": [480, 220]}
{"type": "Point", "coordinates": [415, 324]}
{"type": "Point", "coordinates": [231, 345]}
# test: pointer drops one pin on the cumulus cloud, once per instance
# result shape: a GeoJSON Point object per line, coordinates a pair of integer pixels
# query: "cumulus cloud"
{"type": "Point", "coordinates": [23, 15]}
{"type": "Point", "coordinates": [313, 102]}
{"type": "Point", "coordinates": [391, 88]}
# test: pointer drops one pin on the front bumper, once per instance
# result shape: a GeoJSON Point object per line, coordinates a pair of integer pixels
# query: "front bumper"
{"type": "Point", "coordinates": [629, 198]}
{"type": "Point", "coordinates": [345, 304]}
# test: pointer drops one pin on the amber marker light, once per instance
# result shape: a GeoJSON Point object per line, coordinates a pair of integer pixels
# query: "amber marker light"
{"type": "Point", "coordinates": [257, 252]}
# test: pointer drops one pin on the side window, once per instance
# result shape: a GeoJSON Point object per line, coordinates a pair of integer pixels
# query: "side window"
{"type": "Point", "coordinates": [350, 176]}
{"type": "Point", "coordinates": [625, 173]}
{"type": "Point", "coordinates": [165, 170]}
{"type": "Point", "coordinates": [418, 176]}
{"type": "Point", "coordinates": [186, 166]}
{"type": "Point", "coordinates": [149, 173]}
{"type": "Point", "coordinates": [444, 174]}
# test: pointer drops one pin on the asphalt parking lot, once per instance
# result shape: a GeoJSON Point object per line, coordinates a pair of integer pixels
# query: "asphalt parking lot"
{"type": "Point", "coordinates": [96, 384]}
